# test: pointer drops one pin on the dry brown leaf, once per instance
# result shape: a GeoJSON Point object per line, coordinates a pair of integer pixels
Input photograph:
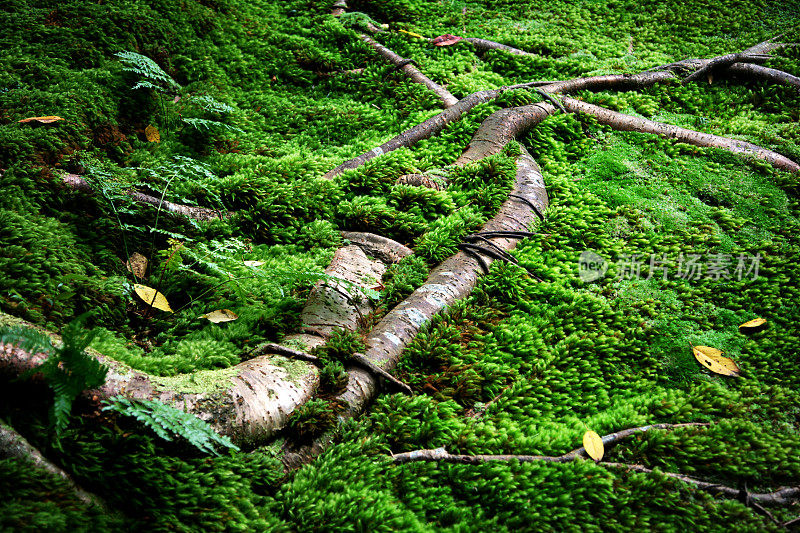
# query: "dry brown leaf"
{"type": "Point", "coordinates": [49, 119]}
{"type": "Point", "coordinates": [220, 315]}
{"type": "Point", "coordinates": [152, 297]}
{"type": "Point", "coordinates": [445, 40]}
{"type": "Point", "coordinates": [712, 359]}
{"type": "Point", "coordinates": [593, 444]}
{"type": "Point", "coordinates": [152, 134]}
{"type": "Point", "coordinates": [753, 325]}
{"type": "Point", "coordinates": [137, 265]}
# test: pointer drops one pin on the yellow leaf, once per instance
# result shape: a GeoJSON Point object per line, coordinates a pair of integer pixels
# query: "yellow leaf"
{"type": "Point", "coordinates": [152, 134]}
{"type": "Point", "coordinates": [152, 297]}
{"type": "Point", "coordinates": [752, 325]}
{"type": "Point", "coordinates": [593, 445]}
{"type": "Point", "coordinates": [42, 120]}
{"type": "Point", "coordinates": [137, 265]}
{"type": "Point", "coordinates": [712, 359]}
{"type": "Point", "coordinates": [708, 350]}
{"type": "Point", "coordinates": [220, 315]}
{"type": "Point", "coordinates": [411, 33]}
{"type": "Point", "coordinates": [254, 263]}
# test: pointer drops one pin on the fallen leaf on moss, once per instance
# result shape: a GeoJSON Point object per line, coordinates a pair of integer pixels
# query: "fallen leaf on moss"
{"type": "Point", "coordinates": [712, 359]}
{"type": "Point", "coordinates": [593, 445]}
{"type": "Point", "coordinates": [445, 40]}
{"type": "Point", "coordinates": [753, 325]}
{"type": "Point", "coordinates": [41, 120]}
{"type": "Point", "coordinates": [220, 315]}
{"type": "Point", "coordinates": [152, 297]}
{"type": "Point", "coordinates": [254, 263]}
{"type": "Point", "coordinates": [137, 265]}
{"type": "Point", "coordinates": [152, 134]}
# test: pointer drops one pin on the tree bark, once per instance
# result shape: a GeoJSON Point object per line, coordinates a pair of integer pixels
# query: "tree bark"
{"type": "Point", "coordinates": [622, 122]}
{"type": "Point", "coordinates": [411, 71]}
{"type": "Point", "coordinates": [14, 445]}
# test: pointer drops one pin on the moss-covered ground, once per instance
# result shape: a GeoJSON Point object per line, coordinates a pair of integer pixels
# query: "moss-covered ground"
{"type": "Point", "coordinates": [268, 96]}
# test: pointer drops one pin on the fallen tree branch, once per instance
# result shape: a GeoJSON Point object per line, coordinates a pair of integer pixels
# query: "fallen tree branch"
{"type": "Point", "coordinates": [622, 122]}
{"type": "Point", "coordinates": [361, 359]}
{"type": "Point", "coordinates": [14, 445]}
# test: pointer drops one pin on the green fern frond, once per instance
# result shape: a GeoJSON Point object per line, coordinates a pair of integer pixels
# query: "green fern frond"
{"type": "Point", "coordinates": [28, 339]}
{"type": "Point", "coordinates": [167, 422]}
{"type": "Point", "coordinates": [154, 76]}
{"type": "Point", "coordinates": [68, 370]}
{"type": "Point", "coordinates": [208, 103]}
{"type": "Point", "coordinates": [199, 123]}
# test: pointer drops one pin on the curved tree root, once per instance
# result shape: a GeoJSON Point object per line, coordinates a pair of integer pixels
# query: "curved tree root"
{"type": "Point", "coordinates": [411, 71]}
{"type": "Point", "coordinates": [186, 211]}
{"type": "Point", "coordinates": [454, 278]}
{"type": "Point", "coordinates": [14, 445]}
{"type": "Point", "coordinates": [257, 400]}
{"type": "Point", "coordinates": [782, 496]}
{"type": "Point", "coordinates": [620, 121]}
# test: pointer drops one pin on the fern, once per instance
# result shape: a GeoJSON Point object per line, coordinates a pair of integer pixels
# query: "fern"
{"type": "Point", "coordinates": [68, 369]}
{"type": "Point", "coordinates": [208, 103]}
{"type": "Point", "coordinates": [199, 123]}
{"type": "Point", "coordinates": [166, 422]}
{"type": "Point", "coordinates": [153, 76]}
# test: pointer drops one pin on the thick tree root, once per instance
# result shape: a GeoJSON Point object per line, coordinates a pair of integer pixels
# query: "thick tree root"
{"type": "Point", "coordinates": [411, 71]}
{"type": "Point", "coordinates": [620, 121]}
{"type": "Point", "coordinates": [385, 249]}
{"type": "Point", "coordinates": [257, 400]}
{"type": "Point", "coordinates": [453, 279]}
{"type": "Point", "coordinates": [14, 445]}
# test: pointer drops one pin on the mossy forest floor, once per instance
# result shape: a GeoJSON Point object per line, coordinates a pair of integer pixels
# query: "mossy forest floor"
{"type": "Point", "coordinates": [274, 94]}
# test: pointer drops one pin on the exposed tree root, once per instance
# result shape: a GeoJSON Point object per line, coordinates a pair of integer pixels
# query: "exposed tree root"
{"type": "Point", "coordinates": [441, 455]}
{"type": "Point", "coordinates": [454, 278]}
{"type": "Point", "coordinates": [14, 445]}
{"type": "Point", "coordinates": [385, 249]}
{"type": "Point", "coordinates": [411, 71]}
{"type": "Point", "coordinates": [426, 129]}
{"type": "Point", "coordinates": [258, 399]}
{"type": "Point", "coordinates": [484, 45]}
{"type": "Point", "coordinates": [186, 211]}
{"type": "Point", "coordinates": [620, 121]}
{"type": "Point", "coordinates": [782, 496]}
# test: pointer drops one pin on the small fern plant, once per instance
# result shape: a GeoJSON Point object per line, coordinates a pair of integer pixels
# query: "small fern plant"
{"type": "Point", "coordinates": [166, 422]}
{"type": "Point", "coordinates": [68, 370]}
{"type": "Point", "coordinates": [152, 76]}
